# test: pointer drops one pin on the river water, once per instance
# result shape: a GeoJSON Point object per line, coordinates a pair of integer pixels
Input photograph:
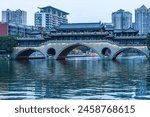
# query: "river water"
{"type": "Point", "coordinates": [75, 78]}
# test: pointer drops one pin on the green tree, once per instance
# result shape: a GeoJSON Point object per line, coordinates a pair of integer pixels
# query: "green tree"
{"type": "Point", "coordinates": [7, 43]}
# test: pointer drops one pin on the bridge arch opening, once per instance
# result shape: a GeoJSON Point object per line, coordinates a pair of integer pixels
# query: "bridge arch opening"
{"type": "Point", "coordinates": [51, 52]}
{"type": "Point", "coordinates": [77, 50]}
{"type": "Point", "coordinates": [30, 54]}
{"type": "Point", "coordinates": [129, 53]}
{"type": "Point", "coordinates": [106, 52]}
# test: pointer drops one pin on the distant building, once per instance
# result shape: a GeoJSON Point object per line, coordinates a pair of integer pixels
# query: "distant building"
{"type": "Point", "coordinates": [3, 29]}
{"type": "Point", "coordinates": [142, 20]}
{"type": "Point", "coordinates": [16, 17]}
{"type": "Point", "coordinates": [18, 30]}
{"type": "Point", "coordinates": [122, 19]}
{"type": "Point", "coordinates": [50, 17]}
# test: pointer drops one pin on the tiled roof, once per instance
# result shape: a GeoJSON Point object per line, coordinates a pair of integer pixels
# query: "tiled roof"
{"type": "Point", "coordinates": [125, 30]}
{"type": "Point", "coordinates": [80, 26]}
{"type": "Point", "coordinates": [117, 30]}
{"type": "Point", "coordinates": [130, 30]}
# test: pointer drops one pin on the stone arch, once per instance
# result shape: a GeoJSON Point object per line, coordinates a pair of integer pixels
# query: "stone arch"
{"type": "Point", "coordinates": [106, 51]}
{"type": "Point", "coordinates": [25, 53]}
{"type": "Point", "coordinates": [124, 49]}
{"type": "Point", "coordinates": [65, 51]}
{"type": "Point", "coordinates": [51, 52]}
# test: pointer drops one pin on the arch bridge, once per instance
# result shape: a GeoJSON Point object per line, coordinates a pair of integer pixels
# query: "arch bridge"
{"type": "Point", "coordinates": [60, 49]}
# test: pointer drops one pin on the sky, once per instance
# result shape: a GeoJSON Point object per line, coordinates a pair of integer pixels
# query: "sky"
{"type": "Point", "coordinates": [79, 10]}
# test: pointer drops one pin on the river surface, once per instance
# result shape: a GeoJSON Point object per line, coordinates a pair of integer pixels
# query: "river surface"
{"type": "Point", "coordinates": [76, 78]}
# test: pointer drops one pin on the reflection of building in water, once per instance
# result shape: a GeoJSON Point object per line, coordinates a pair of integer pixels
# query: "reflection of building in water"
{"type": "Point", "coordinates": [3, 86]}
{"type": "Point", "coordinates": [141, 88]}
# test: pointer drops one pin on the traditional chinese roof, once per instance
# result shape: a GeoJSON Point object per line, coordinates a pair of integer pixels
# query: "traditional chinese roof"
{"type": "Point", "coordinates": [118, 30]}
{"type": "Point", "coordinates": [130, 30]}
{"type": "Point", "coordinates": [80, 26]}
{"type": "Point", "coordinates": [109, 27]}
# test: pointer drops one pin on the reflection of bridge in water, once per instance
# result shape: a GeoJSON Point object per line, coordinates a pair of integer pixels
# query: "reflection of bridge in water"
{"type": "Point", "coordinates": [102, 40]}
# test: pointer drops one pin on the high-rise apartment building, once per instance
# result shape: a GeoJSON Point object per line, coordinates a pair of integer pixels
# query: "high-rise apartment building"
{"type": "Point", "coordinates": [50, 17]}
{"type": "Point", "coordinates": [122, 19]}
{"type": "Point", "coordinates": [17, 17]}
{"type": "Point", "coordinates": [142, 20]}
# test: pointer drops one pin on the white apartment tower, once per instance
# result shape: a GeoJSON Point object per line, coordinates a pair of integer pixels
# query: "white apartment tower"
{"type": "Point", "coordinates": [50, 17]}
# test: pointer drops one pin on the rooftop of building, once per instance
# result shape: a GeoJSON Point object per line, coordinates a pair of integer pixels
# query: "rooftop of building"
{"type": "Point", "coordinates": [121, 11]}
{"type": "Point", "coordinates": [129, 30]}
{"type": "Point", "coordinates": [108, 26]}
{"type": "Point", "coordinates": [77, 26]}
{"type": "Point", "coordinates": [142, 8]}
{"type": "Point", "coordinates": [50, 7]}
{"type": "Point", "coordinates": [8, 10]}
